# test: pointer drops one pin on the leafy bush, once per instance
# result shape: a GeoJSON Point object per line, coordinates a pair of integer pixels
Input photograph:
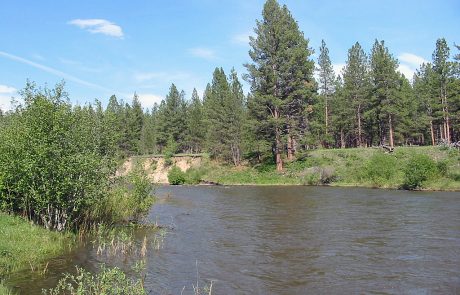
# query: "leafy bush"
{"type": "Point", "coordinates": [110, 281]}
{"type": "Point", "coordinates": [130, 198]}
{"type": "Point", "coordinates": [54, 167]}
{"type": "Point", "coordinates": [380, 169]}
{"type": "Point", "coordinates": [419, 168]}
{"type": "Point", "coordinates": [176, 176]}
{"type": "Point", "coordinates": [194, 175]}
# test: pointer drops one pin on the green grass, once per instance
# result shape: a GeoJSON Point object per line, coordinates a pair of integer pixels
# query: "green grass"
{"type": "Point", "coordinates": [27, 246]}
{"type": "Point", "coordinates": [364, 167]}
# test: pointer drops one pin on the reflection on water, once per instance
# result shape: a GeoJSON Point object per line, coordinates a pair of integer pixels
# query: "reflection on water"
{"type": "Point", "coordinates": [295, 240]}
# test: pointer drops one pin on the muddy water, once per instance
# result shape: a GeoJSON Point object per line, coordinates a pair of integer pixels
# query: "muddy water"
{"type": "Point", "coordinates": [294, 240]}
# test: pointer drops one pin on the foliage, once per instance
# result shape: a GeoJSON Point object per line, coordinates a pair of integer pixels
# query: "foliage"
{"type": "Point", "coordinates": [381, 169]}
{"type": "Point", "coordinates": [53, 165]}
{"type": "Point", "coordinates": [419, 169]}
{"type": "Point", "coordinates": [176, 176]}
{"type": "Point", "coordinates": [129, 199]}
{"type": "Point", "coordinates": [109, 281]}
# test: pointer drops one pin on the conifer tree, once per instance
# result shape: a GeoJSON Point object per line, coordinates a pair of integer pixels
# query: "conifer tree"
{"type": "Point", "coordinates": [195, 123]}
{"type": "Point", "coordinates": [356, 87]}
{"type": "Point", "coordinates": [326, 82]}
{"type": "Point", "coordinates": [281, 78]}
{"type": "Point", "coordinates": [385, 104]}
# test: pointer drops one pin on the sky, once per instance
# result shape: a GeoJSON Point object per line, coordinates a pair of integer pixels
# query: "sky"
{"type": "Point", "coordinates": [106, 47]}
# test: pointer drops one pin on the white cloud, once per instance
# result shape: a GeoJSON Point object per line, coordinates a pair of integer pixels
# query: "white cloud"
{"type": "Point", "coordinates": [98, 26]}
{"type": "Point", "coordinates": [338, 68]}
{"type": "Point", "coordinates": [148, 99]}
{"type": "Point", "coordinates": [166, 77]}
{"type": "Point", "coordinates": [409, 63]}
{"type": "Point", "coordinates": [411, 59]}
{"type": "Point", "coordinates": [6, 92]}
{"type": "Point", "coordinates": [242, 39]}
{"type": "Point", "coordinates": [406, 70]}
{"type": "Point", "coordinates": [204, 53]}
{"type": "Point", "coordinates": [53, 71]}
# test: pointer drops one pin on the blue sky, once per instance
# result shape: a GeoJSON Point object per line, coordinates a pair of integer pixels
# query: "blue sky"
{"type": "Point", "coordinates": [118, 47]}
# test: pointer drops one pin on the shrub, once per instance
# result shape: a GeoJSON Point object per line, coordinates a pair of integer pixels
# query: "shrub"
{"type": "Point", "coordinates": [194, 175]}
{"type": "Point", "coordinates": [53, 166]}
{"type": "Point", "coordinates": [110, 281]}
{"type": "Point", "coordinates": [380, 169]}
{"type": "Point", "coordinates": [176, 176]}
{"type": "Point", "coordinates": [418, 169]}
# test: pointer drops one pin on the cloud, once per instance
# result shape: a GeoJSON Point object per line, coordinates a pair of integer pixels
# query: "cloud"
{"type": "Point", "coordinates": [204, 53]}
{"type": "Point", "coordinates": [241, 39]}
{"type": "Point", "coordinates": [412, 59]}
{"type": "Point", "coordinates": [6, 92]}
{"type": "Point", "coordinates": [167, 77]}
{"type": "Point", "coordinates": [148, 99]}
{"type": "Point", "coordinates": [53, 71]}
{"type": "Point", "coordinates": [409, 63]}
{"type": "Point", "coordinates": [338, 68]}
{"type": "Point", "coordinates": [98, 26]}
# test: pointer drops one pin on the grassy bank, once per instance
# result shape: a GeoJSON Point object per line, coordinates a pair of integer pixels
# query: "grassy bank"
{"type": "Point", "coordinates": [364, 167]}
{"type": "Point", "coordinates": [27, 246]}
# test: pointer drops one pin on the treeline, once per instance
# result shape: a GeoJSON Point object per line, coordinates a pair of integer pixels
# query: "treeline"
{"type": "Point", "coordinates": [290, 109]}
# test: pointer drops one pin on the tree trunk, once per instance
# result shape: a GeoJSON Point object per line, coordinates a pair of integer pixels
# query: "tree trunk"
{"type": "Point", "coordinates": [432, 133]}
{"type": "Point", "coordinates": [359, 126]}
{"type": "Point", "coordinates": [278, 158]}
{"type": "Point", "coordinates": [342, 140]}
{"type": "Point", "coordinates": [391, 132]}
{"type": "Point", "coordinates": [290, 148]}
{"type": "Point", "coordinates": [326, 113]}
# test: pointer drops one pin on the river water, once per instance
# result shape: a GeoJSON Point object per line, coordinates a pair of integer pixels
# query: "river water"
{"type": "Point", "coordinates": [293, 240]}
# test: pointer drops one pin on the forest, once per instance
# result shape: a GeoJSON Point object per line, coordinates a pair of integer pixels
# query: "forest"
{"type": "Point", "coordinates": [295, 103]}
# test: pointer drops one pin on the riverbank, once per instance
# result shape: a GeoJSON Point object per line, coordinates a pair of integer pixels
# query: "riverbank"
{"type": "Point", "coordinates": [27, 246]}
{"type": "Point", "coordinates": [358, 167]}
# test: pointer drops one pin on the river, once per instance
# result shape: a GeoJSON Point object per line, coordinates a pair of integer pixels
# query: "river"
{"type": "Point", "coordinates": [294, 240]}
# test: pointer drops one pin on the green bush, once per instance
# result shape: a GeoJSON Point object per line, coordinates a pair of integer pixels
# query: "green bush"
{"type": "Point", "coordinates": [176, 176]}
{"type": "Point", "coordinates": [194, 175]}
{"type": "Point", "coordinates": [380, 169]}
{"type": "Point", "coordinates": [419, 168]}
{"type": "Point", "coordinates": [54, 166]}
{"type": "Point", "coordinates": [109, 281]}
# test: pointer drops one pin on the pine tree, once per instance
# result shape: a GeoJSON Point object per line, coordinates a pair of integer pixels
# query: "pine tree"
{"type": "Point", "coordinates": [172, 118]}
{"type": "Point", "coordinates": [385, 104]}
{"type": "Point", "coordinates": [356, 87]}
{"type": "Point", "coordinates": [326, 83]}
{"type": "Point", "coordinates": [281, 78]}
{"type": "Point", "coordinates": [442, 70]}
{"type": "Point", "coordinates": [224, 112]}
{"type": "Point", "coordinates": [195, 123]}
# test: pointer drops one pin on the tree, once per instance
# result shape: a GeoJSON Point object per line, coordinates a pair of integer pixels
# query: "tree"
{"type": "Point", "coordinates": [385, 81]}
{"type": "Point", "coordinates": [172, 118]}
{"type": "Point", "coordinates": [195, 124]}
{"type": "Point", "coordinates": [281, 78]}
{"type": "Point", "coordinates": [224, 109]}
{"type": "Point", "coordinates": [326, 81]}
{"type": "Point", "coordinates": [356, 87]}
{"type": "Point", "coordinates": [442, 71]}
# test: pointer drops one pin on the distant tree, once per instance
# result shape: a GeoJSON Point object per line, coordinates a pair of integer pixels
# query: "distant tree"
{"type": "Point", "coordinates": [442, 72]}
{"type": "Point", "coordinates": [385, 107]}
{"type": "Point", "coordinates": [356, 87]}
{"type": "Point", "coordinates": [195, 124]}
{"type": "Point", "coordinates": [326, 83]}
{"type": "Point", "coordinates": [172, 118]}
{"type": "Point", "coordinates": [224, 107]}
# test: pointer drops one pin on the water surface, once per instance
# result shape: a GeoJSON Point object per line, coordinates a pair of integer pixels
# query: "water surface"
{"type": "Point", "coordinates": [297, 240]}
